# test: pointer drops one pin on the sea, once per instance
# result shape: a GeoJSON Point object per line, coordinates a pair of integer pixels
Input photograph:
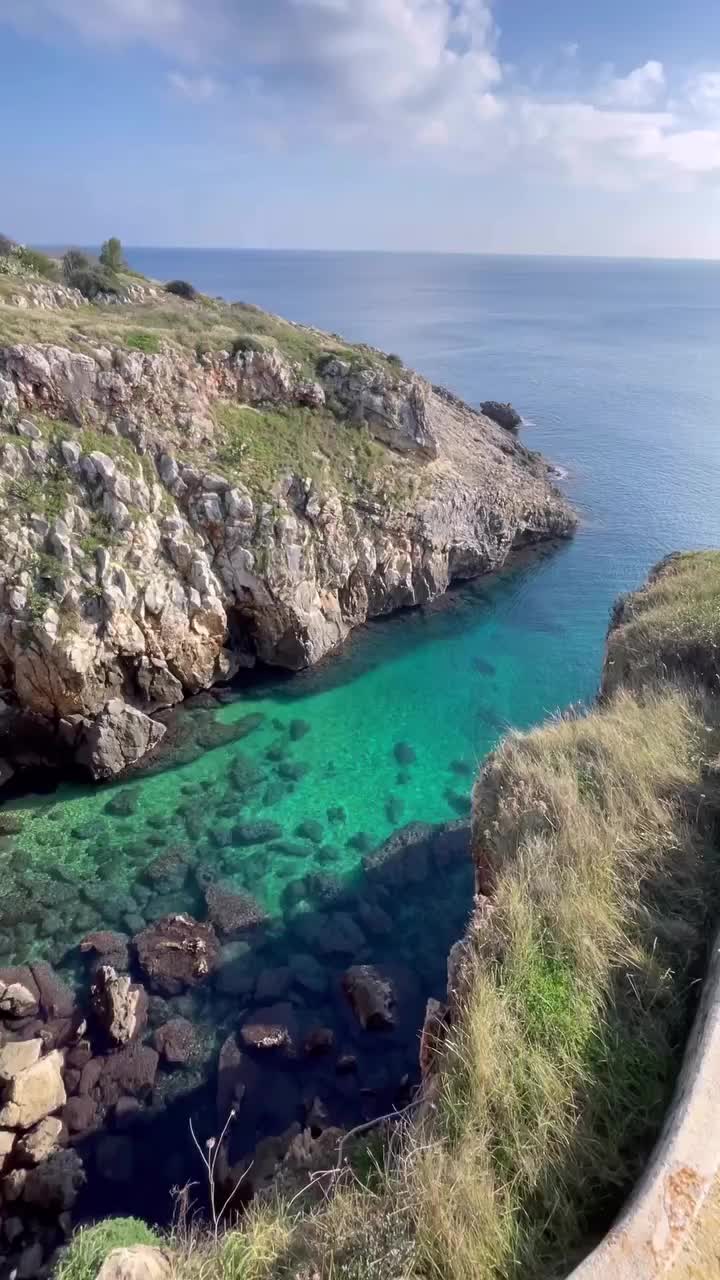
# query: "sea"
{"type": "Point", "coordinates": [614, 367]}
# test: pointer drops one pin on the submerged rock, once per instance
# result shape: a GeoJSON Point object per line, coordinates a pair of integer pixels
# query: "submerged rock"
{"type": "Point", "coordinates": [247, 833]}
{"type": "Point", "coordinates": [371, 997]}
{"type": "Point", "coordinates": [270, 1028]}
{"type": "Point", "coordinates": [231, 911]}
{"type": "Point", "coordinates": [175, 1041]}
{"type": "Point", "coordinates": [177, 952]}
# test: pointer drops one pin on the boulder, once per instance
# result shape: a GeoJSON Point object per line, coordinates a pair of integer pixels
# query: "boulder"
{"type": "Point", "coordinates": [119, 736]}
{"type": "Point", "coordinates": [19, 996]}
{"type": "Point", "coordinates": [503, 414]}
{"type": "Point", "coordinates": [119, 1006]}
{"type": "Point", "coordinates": [34, 1093]}
{"type": "Point", "coordinates": [54, 1185]}
{"type": "Point", "coordinates": [106, 947]}
{"type": "Point", "coordinates": [7, 1141]}
{"type": "Point", "coordinates": [130, 1072]}
{"type": "Point", "coordinates": [141, 1262]}
{"type": "Point", "coordinates": [57, 1000]}
{"type": "Point", "coordinates": [175, 1041]}
{"type": "Point", "coordinates": [81, 1115]}
{"type": "Point", "coordinates": [270, 1028]}
{"type": "Point", "coordinates": [40, 1142]}
{"type": "Point", "coordinates": [177, 952]}
{"type": "Point", "coordinates": [231, 911]}
{"type": "Point", "coordinates": [16, 1056]}
{"type": "Point", "coordinates": [371, 997]}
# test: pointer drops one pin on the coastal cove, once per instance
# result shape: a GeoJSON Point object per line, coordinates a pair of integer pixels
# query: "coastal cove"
{"type": "Point", "coordinates": [613, 369]}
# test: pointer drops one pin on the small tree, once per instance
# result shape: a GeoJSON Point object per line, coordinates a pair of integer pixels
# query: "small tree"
{"type": "Point", "coordinates": [111, 255]}
{"type": "Point", "coordinates": [6, 246]}
{"type": "Point", "coordinates": [73, 261]}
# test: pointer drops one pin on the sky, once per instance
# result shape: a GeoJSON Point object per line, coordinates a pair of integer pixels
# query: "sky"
{"type": "Point", "coordinates": [489, 126]}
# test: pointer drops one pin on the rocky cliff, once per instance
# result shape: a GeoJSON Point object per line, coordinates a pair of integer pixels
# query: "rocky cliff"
{"type": "Point", "coordinates": [177, 502]}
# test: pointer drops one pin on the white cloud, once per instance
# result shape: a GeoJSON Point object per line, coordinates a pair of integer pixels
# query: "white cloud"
{"type": "Point", "coordinates": [405, 74]}
{"type": "Point", "coordinates": [197, 89]}
{"type": "Point", "coordinates": [704, 93]}
{"type": "Point", "coordinates": [641, 88]}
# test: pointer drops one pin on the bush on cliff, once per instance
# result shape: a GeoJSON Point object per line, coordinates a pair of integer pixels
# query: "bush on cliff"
{"type": "Point", "coordinates": [91, 1245]}
{"type": "Point", "coordinates": [35, 261]}
{"type": "Point", "coordinates": [6, 246]}
{"type": "Point", "coordinates": [181, 289]}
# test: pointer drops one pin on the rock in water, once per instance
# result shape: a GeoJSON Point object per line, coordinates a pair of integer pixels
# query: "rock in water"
{"type": "Point", "coordinates": [177, 952]}
{"type": "Point", "coordinates": [231, 911]}
{"type": "Point", "coordinates": [504, 414]}
{"type": "Point", "coordinates": [371, 996]}
{"type": "Point", "coordinates": [119, 737]}
{"type": "Point", "coordinates": [175, 1041]}
{"type": "Point", "coordinates": [119, 1006]}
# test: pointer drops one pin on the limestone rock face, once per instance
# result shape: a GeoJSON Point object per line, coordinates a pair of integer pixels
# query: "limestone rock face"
{"type": "Point", "coordinates": [138, 565]}
{"type": "Point", "coordinates": [120, 736]}
{"type": "Point", "coordinates": [141, 1262]}
{"type": "Point", "coordinates": [34, 1093]}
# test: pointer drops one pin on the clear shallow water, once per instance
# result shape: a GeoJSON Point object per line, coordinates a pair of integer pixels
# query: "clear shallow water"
{"type": "Point", "coordinates": [614, 365]}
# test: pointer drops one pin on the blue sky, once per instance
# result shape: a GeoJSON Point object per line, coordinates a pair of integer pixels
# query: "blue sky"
{"type": "Point", "coordinates": [563, 126]}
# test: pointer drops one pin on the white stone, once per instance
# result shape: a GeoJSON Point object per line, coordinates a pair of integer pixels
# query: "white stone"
{"type": "Point", "coordinates": [17, 1056]}
{"type": "Point", "coordinates": [34, 1093]}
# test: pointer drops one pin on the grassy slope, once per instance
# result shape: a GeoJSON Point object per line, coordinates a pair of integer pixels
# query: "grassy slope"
{"type": "Point", "coordinates": [253, 446]}
{"type": "Point", "coordinates": [600, 832]}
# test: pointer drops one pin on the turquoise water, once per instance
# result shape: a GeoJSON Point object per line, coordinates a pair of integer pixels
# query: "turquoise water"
{"type": "Point", "coordinates": [613, 364]}
{"type": "Point", "coordinates": [614, 367]}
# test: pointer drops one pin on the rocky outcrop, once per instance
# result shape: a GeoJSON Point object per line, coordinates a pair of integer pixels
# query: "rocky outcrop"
{"type": "Point", "coordinates": [504, 414]}
{"type": "Point", "coordinates": [143, 555]}
{"type": "Point", "coordinates": [117, 738]}
{"type": "Point", "coordinates": [119, 1006]}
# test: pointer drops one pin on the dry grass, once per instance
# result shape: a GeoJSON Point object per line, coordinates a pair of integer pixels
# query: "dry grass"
{"type": "Point", "coordinates": [672, 624]}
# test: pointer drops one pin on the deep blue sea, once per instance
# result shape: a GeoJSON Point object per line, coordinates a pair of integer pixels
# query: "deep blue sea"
{"type": "Point", "coordinates": [614, 365]}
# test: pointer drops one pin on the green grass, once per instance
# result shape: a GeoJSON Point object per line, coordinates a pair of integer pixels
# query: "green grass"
{"type": "Point", "coordinates": [672, 622]}
{"type": "Point", "coordinates": [147, 342]}
{"type": "Point", "coordinates": [259, 446]}
{"type": "Point", "coordinates": [91, 1245]}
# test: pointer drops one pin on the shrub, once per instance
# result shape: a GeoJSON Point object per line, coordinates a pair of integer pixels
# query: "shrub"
{"type": "Point", "coordinates": [147, 342]}
{"type": "Point", "coordinates": [75, 260]}
{"type": "Point", "coordinates": [111, 255]}
{"type": "Point", "coordinates": [6, 246]}
{"type": "Point", "coordinates": [181, 289]}
{"type": "Point", "coordinates": [246, 342]}
{"type": "Point", "coordinates": [90, 1246]}
{"type": "Point", "coordinates": [34, 260]}
{"type": "Point", "coordinates": [395, 359]}
{"type": "Point", "coordinates": [92, 281]}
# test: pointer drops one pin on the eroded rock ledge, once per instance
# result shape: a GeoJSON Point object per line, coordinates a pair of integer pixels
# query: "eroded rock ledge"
{"type": "Point", "coordinates": [168, 518]}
